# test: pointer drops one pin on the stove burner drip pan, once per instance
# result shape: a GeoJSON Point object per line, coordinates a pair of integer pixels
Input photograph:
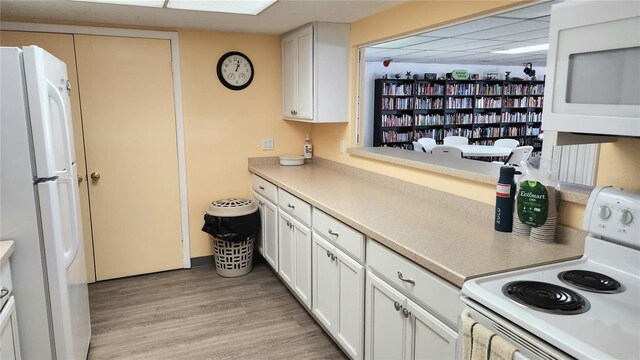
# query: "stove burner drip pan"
{"type": "Point", "coordinates": [591, 281]}
{"type": "Point", "coordinates": [546, 297]}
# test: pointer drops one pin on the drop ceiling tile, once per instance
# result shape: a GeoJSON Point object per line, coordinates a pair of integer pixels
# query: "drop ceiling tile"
{"type": "Point", "coordinates": [390, 53]}
{"type": "Point", "coordinates": [529, 12]}
{"type": "Point", "coordinates": [372, 50]}
{"type": "Point", "coordinates": [394, 44]}
{"type": "Point", "coordinates": [437, 44]}
{"type": "Point", "coordinates": [506, 30]}
{"type": "Point", "coordinates": [471, 26]}
{"type": "Point", "coordinates": [527, 35]}
{"type": "Point", "coordinates": [468, 46]}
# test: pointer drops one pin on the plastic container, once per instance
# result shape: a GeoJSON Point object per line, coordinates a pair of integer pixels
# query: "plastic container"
{"type": "Point", "coordinates": [234, 224]}
{"type": "Point", "coordinates": [291, 160]}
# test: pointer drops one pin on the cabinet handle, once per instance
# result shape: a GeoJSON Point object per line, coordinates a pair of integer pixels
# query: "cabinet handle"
{"type": "Point", "coordinates": [288, 224]}
{"type": "Point", "coordinates": [291, 112]}
{"type": "Point", "coordinates": [397, 305]}
{"type": "Point", "coordinates": [328, 253]}
{"type": "Point", "coordinates": [291, 206]}
{"type": "Point", "coordinates": [333, 256]}
{"type": "Point", "coordinates": [261, 203]}
{"type": "Point", "coordinates": [333, 233]}
{"type": "Point", "coordinates": [410, 281]}
{"type": "Point", "coordinates": [406, 313]}
{"type": "Point", "coordinates": [261, 188]}
{"type": "Point", "coordinates": [4, 292]}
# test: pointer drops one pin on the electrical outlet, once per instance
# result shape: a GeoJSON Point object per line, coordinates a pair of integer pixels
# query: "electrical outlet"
{"type": "Point", "coordinates": [341, 146]}
{"type": "Point", "coordinates": [267, 144]}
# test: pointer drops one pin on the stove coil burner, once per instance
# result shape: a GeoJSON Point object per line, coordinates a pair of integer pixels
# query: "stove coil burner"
{"type": "Point", "coordinates": [546, 297]}
{"type": "Point", "coordinates": [591, 281]}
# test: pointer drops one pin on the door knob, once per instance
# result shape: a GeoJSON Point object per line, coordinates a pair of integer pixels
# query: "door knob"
{"type": "Point", "coordinates": [80, 178]}
{"type": "Point", "coordinates": [95, 176]}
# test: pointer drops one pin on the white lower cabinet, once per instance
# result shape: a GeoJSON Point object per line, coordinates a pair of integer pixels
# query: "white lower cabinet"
{"type": "Point", "coordinates": [9, 344]}
{"type": "Point", "coordinates": [338, 299]}
{"type": "Point", "coordinates": [267, 243]}
{"type": "Point", "coordinates": [398, 328]}
{"type": "Point", "coordinates": [295, 256]}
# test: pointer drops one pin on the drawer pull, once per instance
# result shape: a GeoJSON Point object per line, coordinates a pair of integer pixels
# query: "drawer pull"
{"type": "Point", "coordinates": [291, 206]}
{"type": "Point", "coordinates": [333, 257]}
{"type": "Point", "coordinates": [406, 313]}
{"type": "Point", "coordinates": [261, 188]}
{"type": "Point", "coordinates": [397, 305]}
{"type": "Point", "coordinates": [410, 281]}
{"type": "Point", "coordinates": [333, 233]}
{"type": "Point", "coordinates": [288, 224]}
{"type": "Point", "coordinates": [4, 292]}
{"type": "Point", "coordinates": [328, 253]}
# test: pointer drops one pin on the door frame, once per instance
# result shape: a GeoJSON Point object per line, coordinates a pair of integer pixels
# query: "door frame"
{"type": "Point", "coordinates": [177, 94]}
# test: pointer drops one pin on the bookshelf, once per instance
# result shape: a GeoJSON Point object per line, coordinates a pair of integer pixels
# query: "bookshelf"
{"type": "Point", "coordinates": [481, 110]}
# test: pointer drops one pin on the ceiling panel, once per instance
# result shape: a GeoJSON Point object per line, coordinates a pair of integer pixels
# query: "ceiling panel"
{"type": "Point", "coordinates": [466, 46]}
{"type": "Point", "coordinates": [472, 26]}
{"type": "Point", "coordinates": [473, 42]}
{"type": "Point", "coordinates": [527, 35]}
{"type": "Point", "coordinates": [515, 28]}
{"type": "Point", "coordinates": [441, 43]}
{"type": "Point", "coordinates": [405, 42]}
{"type": "Point", "coordinates": [529, 12]}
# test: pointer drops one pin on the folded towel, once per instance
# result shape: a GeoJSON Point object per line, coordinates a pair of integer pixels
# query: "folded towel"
{"type": "Point", "coordinates": [482, 344]}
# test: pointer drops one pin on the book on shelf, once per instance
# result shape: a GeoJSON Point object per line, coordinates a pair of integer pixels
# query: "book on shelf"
{"type": "Point", "coordinates": [397, 89]}
{"type": "Point", "coordinates": [430, 89]}
{"type": "Point", "coordinates": [458, 118]}
{"type": "Point", "coordinates": [428, 119]}
{"type": "Point", "coordinates": [396, 120]}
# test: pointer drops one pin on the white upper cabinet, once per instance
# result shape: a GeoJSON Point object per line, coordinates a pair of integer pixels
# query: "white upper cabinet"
{"type": "Point", "coordinates": [315, 73]}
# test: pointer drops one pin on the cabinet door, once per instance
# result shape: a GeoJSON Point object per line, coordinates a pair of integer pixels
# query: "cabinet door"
{"type": "Point", "coordinates": [289, 75]}
{"type": "Point", "coordinates": [270, 234]}
{"type": "Point", "coordinates": [350, 326]}
{"type": "Point", "coordinates": [302, 262]}
{"type": "Point", "coordinates": [285, 248]}
{"type": "Point", "coordinates": [304, 81]}
{"type": "Point", "coordinates": [384, 323]}
{"type": "Point", "coordinates": [259, 200]}
{"type": "Point", "coordinates": [9, 344]}
{"type": "Point", "coordinates": [428, 337]}
{"type": "Point", "coordinates": [325, 283]}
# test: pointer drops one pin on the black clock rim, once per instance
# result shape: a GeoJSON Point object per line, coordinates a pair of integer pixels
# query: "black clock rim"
{"type": "Point", "coordinates": [222, 79]}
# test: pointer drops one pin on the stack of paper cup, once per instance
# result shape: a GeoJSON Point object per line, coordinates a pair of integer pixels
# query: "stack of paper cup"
{"type": "Point", "coordinates": [519, 228]}
{"type": "Point", "coordinates": [547, 231]}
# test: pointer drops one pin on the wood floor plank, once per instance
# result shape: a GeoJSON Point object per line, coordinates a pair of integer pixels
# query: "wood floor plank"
{"type": "Point", "coordinates": [196, 314]}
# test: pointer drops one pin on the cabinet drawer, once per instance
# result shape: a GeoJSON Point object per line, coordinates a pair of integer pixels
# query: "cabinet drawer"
{"type": "Point", "coordinates": [294, 206]}
{"type": "Point", "coordinates": [340, 234]}
{"type": "Point", "coordinates": [426, 287]}
{"type": "Point", "coordinates": [265, 188]}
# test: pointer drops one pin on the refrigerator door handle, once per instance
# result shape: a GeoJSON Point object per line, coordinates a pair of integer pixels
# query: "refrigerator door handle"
{"type": "Point", "coordinates": [57, 98]}
{"type": "Point", "coordinates": [70, 254]}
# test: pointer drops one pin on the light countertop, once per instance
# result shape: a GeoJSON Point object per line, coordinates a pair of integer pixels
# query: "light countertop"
{"type": "Point", "coordinates": [6, 249]}
{"type": "Point", "coordinates": [448, 235]}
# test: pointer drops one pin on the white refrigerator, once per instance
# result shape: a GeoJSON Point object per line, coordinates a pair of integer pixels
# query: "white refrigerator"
{"type": "Point", "coordinates": [40, 208]}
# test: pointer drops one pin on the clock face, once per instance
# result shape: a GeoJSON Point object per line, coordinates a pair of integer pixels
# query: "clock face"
{"type": "Point", "coordinates": [235, 70]}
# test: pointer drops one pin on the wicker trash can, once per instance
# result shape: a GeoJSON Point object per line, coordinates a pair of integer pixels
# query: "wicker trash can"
{"type": "Point", "coordinates": [233, 224]}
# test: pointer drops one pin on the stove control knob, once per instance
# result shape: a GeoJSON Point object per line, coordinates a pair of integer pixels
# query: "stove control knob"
{"type": "Point", "coordinates": [605, 212]}
{"type": "Point", "coordinates": [626, 217]}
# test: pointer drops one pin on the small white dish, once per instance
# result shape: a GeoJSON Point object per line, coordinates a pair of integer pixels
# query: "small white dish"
{"type": "Point", "coordinates": [291, 160]}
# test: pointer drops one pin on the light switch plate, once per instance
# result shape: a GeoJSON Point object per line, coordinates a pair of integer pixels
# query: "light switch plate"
{"type": "Point", "coordinates": [267, 144]}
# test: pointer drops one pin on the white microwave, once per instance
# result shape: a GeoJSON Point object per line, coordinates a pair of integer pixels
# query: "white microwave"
{"type": "Point", "coordinates": [593, 68]}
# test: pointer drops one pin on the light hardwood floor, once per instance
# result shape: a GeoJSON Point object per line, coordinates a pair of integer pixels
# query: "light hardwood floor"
{"type": "Point", "coordinates": [196, 314]}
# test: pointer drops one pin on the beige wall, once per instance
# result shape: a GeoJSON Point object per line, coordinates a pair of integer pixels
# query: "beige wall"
{"type": "Point", "coordinates": [223, 127]}
{"type": "Point", "coordinates": [619, 162]}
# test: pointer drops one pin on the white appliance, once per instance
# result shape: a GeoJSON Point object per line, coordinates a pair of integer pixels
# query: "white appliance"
{"type": "Point", "coordinates": [40, 206]}
{"type": "Point", "coordinates": [593, 76]}
{"type": "Point", "coordinates": [587, 308]}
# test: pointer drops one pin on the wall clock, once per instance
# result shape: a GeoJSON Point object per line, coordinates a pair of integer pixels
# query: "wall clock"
{"type": "Point", "coordinates": [235, 70]}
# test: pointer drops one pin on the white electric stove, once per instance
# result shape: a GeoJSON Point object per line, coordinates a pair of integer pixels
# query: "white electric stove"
{"type": "Point", "coordinates": [587, 308]}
